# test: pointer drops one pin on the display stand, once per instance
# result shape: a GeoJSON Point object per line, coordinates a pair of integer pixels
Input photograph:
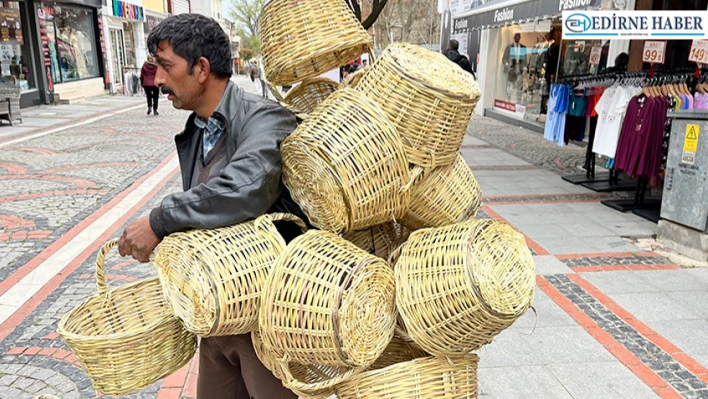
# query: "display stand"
{"type": "Point", "coordinates": [612, 184]}
{"type": "Point", "coordinates": [589, 176]}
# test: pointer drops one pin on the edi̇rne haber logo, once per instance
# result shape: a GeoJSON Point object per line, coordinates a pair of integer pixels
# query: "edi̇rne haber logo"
{"type": "Point", "coordinates": [635, 24]}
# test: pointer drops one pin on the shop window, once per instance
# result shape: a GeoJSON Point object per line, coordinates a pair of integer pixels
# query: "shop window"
{"type": "Point", "coordinates": [15, 52]}
{"type": "Point", "coordinates": [528, 59]}
{"type": "Point", "coordinates": [72, 43]}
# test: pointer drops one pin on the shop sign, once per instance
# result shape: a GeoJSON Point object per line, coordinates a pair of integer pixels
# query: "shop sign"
{"type": "Point", "coordinates": [128, 11]}
{"type": "Point", "coordinates": [10, 26]}
{"type": "Point", "coordinates": [595, 55]}
{"type": "Point", "coordinates": [654, 52]}
{"type": "Point", "coordinates": [491, 15]}
{"type": "Point", "coordinates": [518, 109]}
{"type": "Point", "coordinates": [699, 52]}
{"type": "Point", "coordinates": [151, 23]}
{"type": "Point", "coordinates": [597, 25]}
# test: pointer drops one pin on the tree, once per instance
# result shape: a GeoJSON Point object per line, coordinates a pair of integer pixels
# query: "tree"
{"type": "Point", "coordinates": [246, 13]}
{"type": "Point", "coordinates": [376, 7]}
{"type": "Point", "coordinates": [413, 21]}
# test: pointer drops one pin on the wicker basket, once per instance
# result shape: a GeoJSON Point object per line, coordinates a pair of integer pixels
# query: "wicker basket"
{"type": "Point", "coordinates": [459, 286]}
{"type": "Point", "coordinates": [126, 338]}
{"type": "Point", "coordinates": [304, 39]}
{"type": "Point", "coordinates": [315, 381]}
{"type": "Point", "coordinates": [213, 278]}
{"type": "Point", "coordinates": [306, 380]}
{"type": "Point", "coordinates": [424, 378]}
{"type": "Point", "coordinates": [345, 165]}
{"type": "Point", "coordinates": [429, 99]}
{"type": "Point", "coordinates": [327, 302]}
{"type": "Point", "coordinates": [306, 96]}
{"type": "Point", "coordinates": [444, 196]}
{"type": "Point", "coordinates": [379, 240]}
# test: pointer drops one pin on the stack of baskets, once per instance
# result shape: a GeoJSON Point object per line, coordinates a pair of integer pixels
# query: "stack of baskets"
{"type": "Point", "coordinates": [396, 287]}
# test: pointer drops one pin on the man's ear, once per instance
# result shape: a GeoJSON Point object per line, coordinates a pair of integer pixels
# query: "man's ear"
{"type": "Point", "coordinates": [204, 69]}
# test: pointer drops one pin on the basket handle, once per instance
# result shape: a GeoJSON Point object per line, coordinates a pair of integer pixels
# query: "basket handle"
{"type": "Point", "coordinates": [277, 217]}
{"type": "Point", "coordinates": [289, 381]}
{"type": "Point", "coordinates": [100, 261]}
{"type": "Point", "coordinates": [101, 286]}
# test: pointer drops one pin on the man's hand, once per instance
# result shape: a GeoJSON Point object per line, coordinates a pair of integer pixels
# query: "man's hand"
{"type": "Point", "coordinates": [138, 240]}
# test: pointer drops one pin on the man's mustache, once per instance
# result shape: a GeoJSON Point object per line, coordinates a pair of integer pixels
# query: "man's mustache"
{"type": "Point", "coordinates": [166, 90]}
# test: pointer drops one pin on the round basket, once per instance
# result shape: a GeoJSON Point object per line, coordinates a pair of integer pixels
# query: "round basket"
{"type": "Point", "coordinates": [429, 99]}
{"type": "Point", "coordinates": [459, 286]}
{"type": "Point", "coordinates": [429, 377]}
{"type": "Point", "coordinates": [307, 380]}
{"type": "Point", "coordinates": [379, 240]}
{"type": "Point", "coordinates": [213, 278]}
{"type": "Point", "coordinates": [345, 165]}
{"type": "Point", "coordinates": [327, 302]}
{"type": "Point", "coordinates": [304, 39]}
{"type": "Point", "coordinates": [446, 195]}
{"type": "Point", "coordinates": [126, 338]}
{"type": "Point", "coordinates": [306, 96]}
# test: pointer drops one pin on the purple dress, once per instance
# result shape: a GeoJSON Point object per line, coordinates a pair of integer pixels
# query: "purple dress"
{"type": "Point", "coordinates": [635, 129]}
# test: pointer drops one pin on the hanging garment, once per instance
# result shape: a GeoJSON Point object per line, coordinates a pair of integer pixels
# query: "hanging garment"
{"type": "Point", "coordinates": [611, 108]}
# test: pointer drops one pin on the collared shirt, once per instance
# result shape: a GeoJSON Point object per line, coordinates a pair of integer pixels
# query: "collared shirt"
{"type": "Point", "coordinates": [211, 131]}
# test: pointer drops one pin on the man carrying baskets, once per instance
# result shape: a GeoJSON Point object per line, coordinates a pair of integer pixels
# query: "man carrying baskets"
{"type": "Point", "coordinates": [231, 172]}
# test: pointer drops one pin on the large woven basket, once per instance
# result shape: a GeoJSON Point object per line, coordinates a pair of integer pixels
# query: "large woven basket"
{"type": "Point", "coordinates": [429, 99]}
{"type": "Point", "coordinates": [327, 302]}
{"type": "Point", "coordinates": [304, 39]}
{"type": "Point", "coordinates": [424, 378]}
{"type": "Point", "coordinates": [345, 165]}
{"type": "Point", "coordinates": [446, 195]}
{"type": "Point", "coordinates": [459, 286]}
{"type": "Point", "coordinates": [306, 96]}
{"type": "Point", "coordinates": [213, 278]}
{"type": "Point", "coordinates": [379, 240]}
{"type": "Point", "coordinates": [126, 338]}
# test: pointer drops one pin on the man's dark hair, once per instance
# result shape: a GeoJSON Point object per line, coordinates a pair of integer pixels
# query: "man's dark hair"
{"type": "Point", "coordinates": [193, 36]}
{"type": "Point", "coordinates": [454, 45]}
{"type": "Point", "coordinates": [621, 61]}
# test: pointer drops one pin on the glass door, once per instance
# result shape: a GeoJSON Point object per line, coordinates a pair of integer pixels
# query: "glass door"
{"type": "Point", "coordinates": [118, 57]}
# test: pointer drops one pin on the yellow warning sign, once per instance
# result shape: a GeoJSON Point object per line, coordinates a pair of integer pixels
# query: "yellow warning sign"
{"type": "Point", "coordinates": [690, 144]}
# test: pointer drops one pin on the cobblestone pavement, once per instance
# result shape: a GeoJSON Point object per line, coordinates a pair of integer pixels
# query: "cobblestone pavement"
{"type": "Point", "coordinates": [609, 320]}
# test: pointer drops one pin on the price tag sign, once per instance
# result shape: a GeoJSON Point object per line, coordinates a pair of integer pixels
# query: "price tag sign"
{"type": "Point", "coordinates": [595, 55]}
{"type": "Point", "coordinates": [699, 52]}
{"type": "Point", "coordinates": [654, 52]}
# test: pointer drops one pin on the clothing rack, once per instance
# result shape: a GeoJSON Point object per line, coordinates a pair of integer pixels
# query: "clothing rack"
{"type": "Point", "coordinates": [606, 181]}
{"type": "Point", "coordinates": [639, 205]}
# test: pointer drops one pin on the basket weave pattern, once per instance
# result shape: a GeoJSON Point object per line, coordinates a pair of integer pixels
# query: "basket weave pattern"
{"type": "Point", "coordinates": [459, 286]}
{"type": "Point", "coordinates": [428, 100]}
{"type": "Point", "coordinates": [304, 39]}
{"type": "Point", "coordinates": [379, 240]}
{"type": "Point", "coordinates": [213, 279]}
{"type": "Point", "coordinates": [327, 302]}
{"type": "Point", "coordinates": [345, 165]}
{"type": "Point", "coordinates": [126, 338]}
{"type": "Point", "coordinates": [306, 96]}
{"type": "Point", "coordinates": [429, 377]}
{"type": "Point", "coordinates": [446, 195]}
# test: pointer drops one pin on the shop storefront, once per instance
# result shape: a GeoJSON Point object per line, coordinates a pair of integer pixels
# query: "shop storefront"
{"type": "Point", "coordinates": [522, 53]}
{"type": "Point", "coordinates": [45, 46]}
{"type": "Point", "coordinates": [126, 41]}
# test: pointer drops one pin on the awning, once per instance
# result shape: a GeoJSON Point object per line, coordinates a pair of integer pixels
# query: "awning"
{"type": "Point", "coordinates": [510, 12]}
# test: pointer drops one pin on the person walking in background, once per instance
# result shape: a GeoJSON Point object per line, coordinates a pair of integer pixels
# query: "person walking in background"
{"type": "Point", "coordinates": [147, 80]}
{"type": "Point", "coordinates": [454, 55]}
{"type": "Point", "coordinates": [256, 76]}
